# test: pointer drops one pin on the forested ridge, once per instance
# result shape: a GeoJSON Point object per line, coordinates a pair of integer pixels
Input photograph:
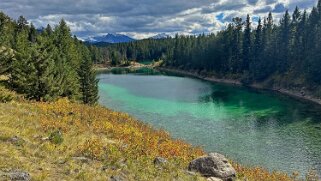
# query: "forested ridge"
{"type": "Point", "coordinates": [46, 64]}
{"type": "Point", "coordinates": [284, 54]}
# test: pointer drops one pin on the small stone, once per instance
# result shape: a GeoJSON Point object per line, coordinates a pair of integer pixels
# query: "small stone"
{"type": "Point", "coordinates": [16, 141]}
{"type": "Point", "coordinates": [62, 161]}
{"type": "Point", "coordinates": [190, 173]}
{"type": "Point", "coordinates": [104, 168]}
{"type": "Point", "coordinates": [45, 139]}
{"type": "Point", "coordinates": [213, 179]}
{"type": "Point", "coordinates": [81, 159]}
{"type": "Point", "coordinates": [121, 177]}
{"type": "Point", "coordinates": [159, 161]}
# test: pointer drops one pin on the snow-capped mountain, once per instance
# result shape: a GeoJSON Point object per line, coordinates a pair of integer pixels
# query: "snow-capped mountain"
{"type": "Point", "coordinates": [110, 38]}
{"type": "Point", "coordinates": [160, 36]}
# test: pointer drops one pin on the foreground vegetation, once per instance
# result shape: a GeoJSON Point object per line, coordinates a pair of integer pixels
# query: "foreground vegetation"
{"type": "Point", "coordinates": [70, 141]}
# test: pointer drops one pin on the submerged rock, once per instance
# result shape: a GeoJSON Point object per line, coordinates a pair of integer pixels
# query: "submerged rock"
{"type": "Point", "coordinates": [213, 165]}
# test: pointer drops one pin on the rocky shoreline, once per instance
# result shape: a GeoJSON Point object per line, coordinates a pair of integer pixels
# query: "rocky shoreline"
{"type": "Point", "coordinates": [295, 94]}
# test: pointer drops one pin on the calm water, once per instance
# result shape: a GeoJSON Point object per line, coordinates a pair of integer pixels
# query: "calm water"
{"type": "Point", "coordinates": [252, 127]}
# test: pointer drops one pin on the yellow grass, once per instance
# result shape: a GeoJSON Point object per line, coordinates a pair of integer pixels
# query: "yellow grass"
{"type": "Point", "coordinates": [97, 143]}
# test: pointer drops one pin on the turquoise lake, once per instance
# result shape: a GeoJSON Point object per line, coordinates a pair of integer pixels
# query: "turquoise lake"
{"type": "Point", "coordinates": [255, 128]}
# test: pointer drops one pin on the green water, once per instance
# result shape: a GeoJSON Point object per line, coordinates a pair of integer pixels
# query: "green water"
{"type": "Point", "coordinates": [252, 127]}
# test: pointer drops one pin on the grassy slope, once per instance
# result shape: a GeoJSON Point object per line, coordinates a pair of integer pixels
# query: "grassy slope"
{"type": "Point", "coordinates": [114, 144]}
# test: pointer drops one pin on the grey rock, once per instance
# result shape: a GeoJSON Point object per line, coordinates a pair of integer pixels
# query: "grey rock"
{"type": "Point", "coordinates": [160, 161]}
{"type": "Point", "coordinates": [213, 165]}
{"type": "Point", "coordinates": [16, 141]}
{"type": "Point", "coordinates": [116, 178]}
{"type": "Point", "coordinates": [213, 179]}
{"type": "Point", "coordinates": [190, 173]}
{"type": "Point", "coordinates": [302, 93]}
{"type": "Point", "coordinates": [81, 159]}
{"type": "Point", "coordinates": [121, 177]}
{"type": "Point", "coordinates": [16, 175]}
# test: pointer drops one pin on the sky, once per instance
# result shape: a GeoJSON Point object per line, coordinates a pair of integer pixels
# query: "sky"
{"type": "Point", "coordinates": [144, 18]}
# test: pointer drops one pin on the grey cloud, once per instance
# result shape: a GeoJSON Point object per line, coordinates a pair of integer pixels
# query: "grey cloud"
{"type": "Point", "coordinates": [280, 7]}
{"type": "Point", "coordinates": [252, 2]}
{"type": "Point", "coordinates": [91, 17]}
{"type": "Point", "coordinates": [269, 2]}
{"type": "Point", "coordinates": [264, 9]}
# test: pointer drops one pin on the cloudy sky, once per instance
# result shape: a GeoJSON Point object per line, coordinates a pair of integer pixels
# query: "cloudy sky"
{"type": "Point", "coordinates": [144, 18]}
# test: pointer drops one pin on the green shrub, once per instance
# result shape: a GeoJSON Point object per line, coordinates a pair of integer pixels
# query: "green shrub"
{"type": "Point", "coordinates": [56, 137]}
{"type": "Point", "coordinates": [6, 95]}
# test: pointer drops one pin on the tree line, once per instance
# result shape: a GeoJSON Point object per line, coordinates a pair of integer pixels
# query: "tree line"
{"type": "Point", "coordinates": [46, 64]}
{"type": "Point", "coordinates": [283, 54]}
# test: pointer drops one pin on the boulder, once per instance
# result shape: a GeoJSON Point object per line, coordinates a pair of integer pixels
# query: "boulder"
{"type": "Point", "coordinates": [213, 165]}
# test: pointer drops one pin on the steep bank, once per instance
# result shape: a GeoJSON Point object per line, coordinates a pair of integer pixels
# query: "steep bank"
{"type": "Point", "coordinates": [295, 94]}
{"type": "Point", "coordinates": [69, 141]}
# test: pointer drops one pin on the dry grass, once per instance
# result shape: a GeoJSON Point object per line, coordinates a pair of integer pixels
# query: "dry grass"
{"type": "Point", "coordinates": [70, 141]}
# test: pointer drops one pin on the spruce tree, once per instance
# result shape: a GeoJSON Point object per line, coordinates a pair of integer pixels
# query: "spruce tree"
{"type": "Point", "coordinates": [284, 42]}
{"type": "Point", "coordinates": [6, 59]}
{"type": "Point", "coordinates": [41, 80]}
{"type": "Point", "coordinates": [88, 82]}
{"type": "Point", "coordinates": [247, 44]}
{"type": "Point", "coordinates": [32, 34]}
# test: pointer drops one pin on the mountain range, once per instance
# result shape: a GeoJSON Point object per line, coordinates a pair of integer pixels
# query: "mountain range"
{"type": "Point", "coordinates": [160, 36]}
{"type": "Point", "coordinates": [110, 38]}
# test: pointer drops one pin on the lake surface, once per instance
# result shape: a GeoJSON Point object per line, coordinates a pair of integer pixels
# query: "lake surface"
{"type": "Point", "coordinates": [252, 127]}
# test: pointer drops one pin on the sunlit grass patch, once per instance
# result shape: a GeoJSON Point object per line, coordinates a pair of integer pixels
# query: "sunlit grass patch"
{"type": "Point", "coordinates": [68, 141]}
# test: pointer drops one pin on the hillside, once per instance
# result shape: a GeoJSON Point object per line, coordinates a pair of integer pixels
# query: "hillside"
{"type": "Point", "coordinates": [70, 141]}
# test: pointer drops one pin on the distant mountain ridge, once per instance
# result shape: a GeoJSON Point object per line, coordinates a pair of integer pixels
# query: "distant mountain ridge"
{"type": "Point", "coordinates": [160, 36]}
{"type": "Point", "coordinates": [110, 38]}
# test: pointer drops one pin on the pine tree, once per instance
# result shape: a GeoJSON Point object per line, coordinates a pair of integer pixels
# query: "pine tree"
{"type": "Point", "coordinates": [6, 31]}
{"type": "Point", "coordinates": [6, 59]}
{"type": "Point", "coordinates": [236, 60]}
{"type": "Point", "coordinates": [48, 31]}
{"type": "Point", "coordinates": [67, 60]}
{"type": "Point", "coordinates": [297, 35]}
{"type": "Point", "coordinates": [22, 24]}
{"type": "Point", "coordinates": [284, 42]}
{"type": "Point", "coordinates": [256, 66]}
{"type": "Point", "coordinates": [32, 34]}
{"type": "Point", "coordinates": [41, 78]}
{"type": "Point", "coordinates": [88, 82]}
{"type": "Point", "coordinates": [247, 44]}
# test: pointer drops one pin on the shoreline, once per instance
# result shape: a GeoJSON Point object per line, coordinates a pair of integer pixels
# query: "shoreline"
{"type": "Point", "coordinates": [293, 94]}
{"type": "Point", "coordinates": [134, 66]}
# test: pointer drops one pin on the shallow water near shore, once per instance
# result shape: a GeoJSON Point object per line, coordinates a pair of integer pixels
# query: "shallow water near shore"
{"type": "Point", "coordinates": [252, 127]}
